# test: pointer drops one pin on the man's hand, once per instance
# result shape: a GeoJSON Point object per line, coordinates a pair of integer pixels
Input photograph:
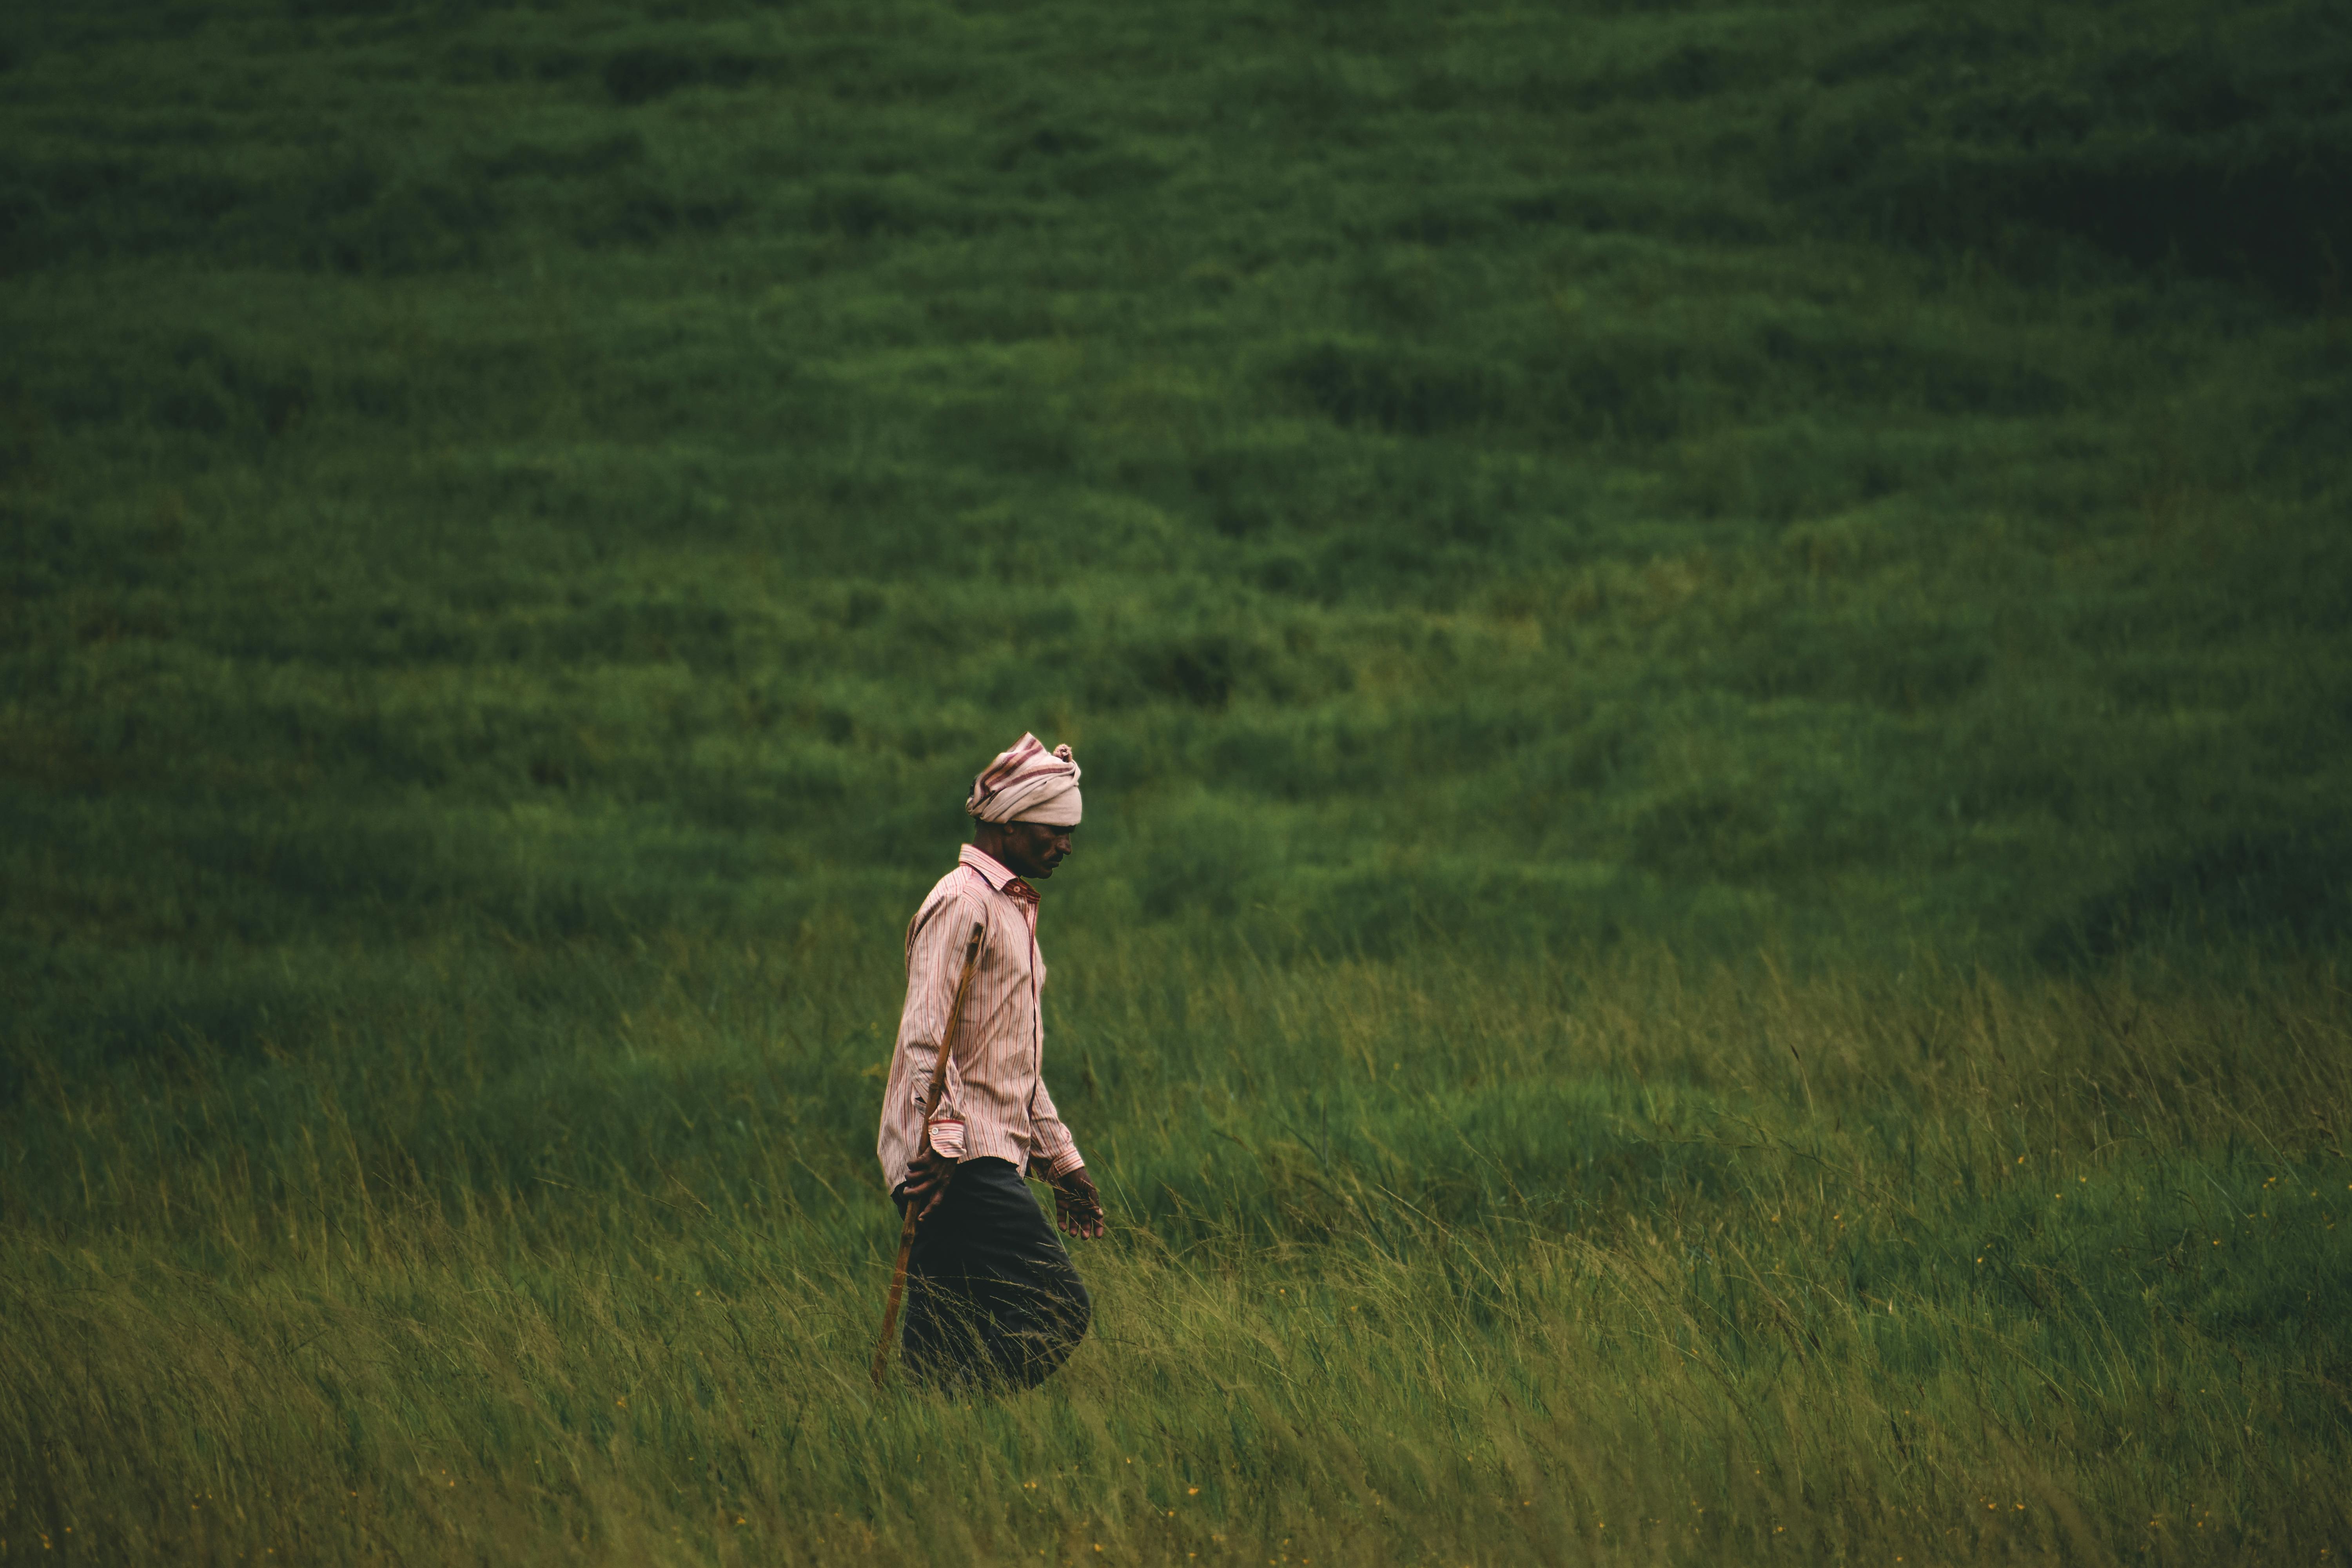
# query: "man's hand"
{"type": "Point", "coordinates": [1077, 1207]}
{"type": "Point", "coordinates": [927, 1175]}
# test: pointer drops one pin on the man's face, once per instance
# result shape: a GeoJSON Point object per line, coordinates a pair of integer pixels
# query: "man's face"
{"type": "Point", "coordinates": [1032, 849]}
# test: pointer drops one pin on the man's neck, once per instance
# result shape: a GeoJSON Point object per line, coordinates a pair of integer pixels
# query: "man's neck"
{"type": "Point", "coordinates": [995, 849]}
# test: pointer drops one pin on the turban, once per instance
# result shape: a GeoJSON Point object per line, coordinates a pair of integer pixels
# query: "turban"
{"type": "Point", "coordinates": [1027, 784]}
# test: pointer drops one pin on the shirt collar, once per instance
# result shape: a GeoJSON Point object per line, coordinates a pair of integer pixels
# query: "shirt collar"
{"type": "Point", "coordinates": [992, 870]}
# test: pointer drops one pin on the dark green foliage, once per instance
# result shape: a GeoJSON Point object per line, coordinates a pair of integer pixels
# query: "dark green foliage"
{"type": "Point", "coordinates": [641, 74]}
{"type": "Point", "coordinates": [2289, 886]}
{"type": "Point", "coordinates": [1403, 394]}
{"type": "Point", "coordinates": [2217, 144]}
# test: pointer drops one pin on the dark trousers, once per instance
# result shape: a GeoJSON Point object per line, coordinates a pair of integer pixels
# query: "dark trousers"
{"type": "Point", "coordinates": [991, 1297]}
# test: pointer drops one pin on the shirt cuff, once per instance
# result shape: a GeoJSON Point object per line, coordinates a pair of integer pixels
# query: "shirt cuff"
{"type": "Point", "coordinates": [946, 1137]}
{"type": "Point", "coordinates": [1063, 1164]}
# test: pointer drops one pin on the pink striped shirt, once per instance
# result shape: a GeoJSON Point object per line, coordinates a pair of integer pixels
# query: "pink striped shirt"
{"type": "Point", "coordinates": [996, 1101]}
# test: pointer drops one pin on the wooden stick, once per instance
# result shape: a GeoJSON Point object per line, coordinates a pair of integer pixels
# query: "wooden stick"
{"type": "Point", "coordinates": [931, 1105]}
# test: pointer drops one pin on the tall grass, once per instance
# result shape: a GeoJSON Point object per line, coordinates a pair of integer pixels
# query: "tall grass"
{"type": "Point", "coordinates": [1417, 1262]}
{"type": "Point", "coordinates": [517, 522]}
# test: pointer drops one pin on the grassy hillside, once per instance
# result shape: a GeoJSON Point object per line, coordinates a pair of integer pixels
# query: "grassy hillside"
{"type": "Point", "coordinates": [1662, 607]}
{"type": "Point", "coordinates": [1708, 472]}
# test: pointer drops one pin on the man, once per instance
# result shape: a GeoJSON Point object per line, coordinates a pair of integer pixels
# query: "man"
{"type": "Point", "coordinates": [992, 1298]}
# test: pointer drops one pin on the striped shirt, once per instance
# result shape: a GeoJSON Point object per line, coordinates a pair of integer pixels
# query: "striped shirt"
{"type": "Point", "coordinates": [995, 1103]}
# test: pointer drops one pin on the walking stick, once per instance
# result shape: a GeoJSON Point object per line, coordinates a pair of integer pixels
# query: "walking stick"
{"type": "Point", "coordinates": [930, 1104]}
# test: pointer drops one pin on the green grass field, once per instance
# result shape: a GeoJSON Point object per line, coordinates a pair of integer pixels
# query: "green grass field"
{"type": "Point", "coordinates": [1711, 647]}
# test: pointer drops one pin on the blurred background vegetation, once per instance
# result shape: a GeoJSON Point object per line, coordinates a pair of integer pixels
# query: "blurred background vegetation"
{"type": "Point", "coordinates": [1872, 474]}
{"type": "Point", "coordinates": [518, 522]}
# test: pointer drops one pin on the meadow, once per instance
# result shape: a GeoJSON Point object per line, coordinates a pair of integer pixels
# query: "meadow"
{"type": "Point", "coordinates": [1710, 647]}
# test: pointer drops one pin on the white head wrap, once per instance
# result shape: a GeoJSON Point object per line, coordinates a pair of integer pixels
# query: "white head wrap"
{"type": "Point", "coordinates": [1027, 784]}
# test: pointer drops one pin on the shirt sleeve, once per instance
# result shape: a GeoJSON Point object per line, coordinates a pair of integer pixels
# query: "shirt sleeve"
{"type": "Point", "coordinates": [934, 965]}
{"type": "Point", "coordinates": [1055, 1148]}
